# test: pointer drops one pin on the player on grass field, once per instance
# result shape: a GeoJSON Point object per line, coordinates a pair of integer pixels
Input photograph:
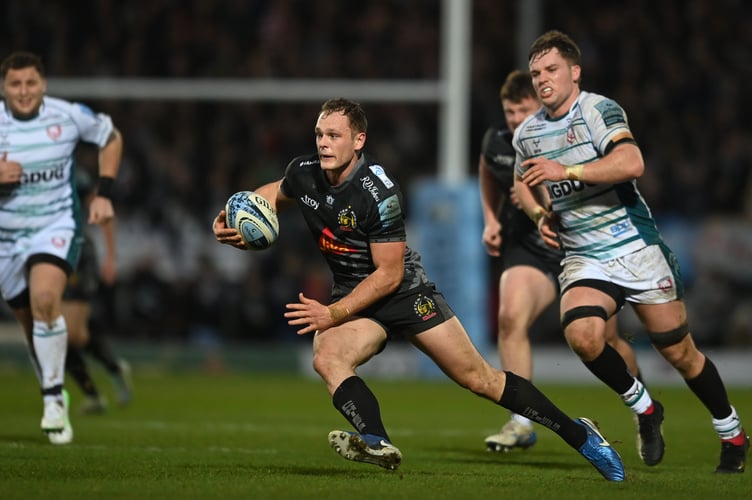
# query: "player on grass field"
{"type": "Point", "coordinates": [39, 227]}
{"type": "Point", "coordinates": [580, 147]}
{"type": "Point", "coordinates": [353, 207]}
{"type": "Point", "coordinates": [83, 284]}
{"type": "Point", "coordinates": [528, 283]}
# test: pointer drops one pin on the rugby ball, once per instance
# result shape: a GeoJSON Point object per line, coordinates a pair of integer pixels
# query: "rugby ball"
{"type": "Point", "coordinates": [254, 218]}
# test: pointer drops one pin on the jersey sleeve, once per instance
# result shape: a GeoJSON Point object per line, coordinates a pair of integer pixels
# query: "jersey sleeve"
{"type": "Point", "coordinates": [497, 149]}
{"type": "Point", "coordinates": [606, 121]}
{"type": "Point", "coordinates": [387, 221]}
{"type": "Point", "coordinates": [93, 127]}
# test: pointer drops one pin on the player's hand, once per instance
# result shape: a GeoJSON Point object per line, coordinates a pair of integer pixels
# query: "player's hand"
{"type": "Point", "coordinates": [226, 235]}
{"type": "Point", "coordinates": [514, 198]}
{"type": "Point", "coordinates": [547, 227]}
{"type": "Point", "coordinates": [100, 210]}
{"type": "Point", "coordinates": [541, 169]}
{"type": "Point", "coordinates": [311, 314]}
{"type": "Point", "coordinates": [492, 238]}
{"type": "Point", "coordinates": [10, 171]}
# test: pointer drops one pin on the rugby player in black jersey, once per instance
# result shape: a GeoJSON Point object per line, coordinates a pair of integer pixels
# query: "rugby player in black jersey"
{"type": "Point", "coordinates": [353, 207]}
{"type": "Point", "coordinates": [529, 281]}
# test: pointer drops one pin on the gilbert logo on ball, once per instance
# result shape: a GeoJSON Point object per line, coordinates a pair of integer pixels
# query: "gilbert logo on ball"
{"type": "Point", "coordinates": [254, 218]}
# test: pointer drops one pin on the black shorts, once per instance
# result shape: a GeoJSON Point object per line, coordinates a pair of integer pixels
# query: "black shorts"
{"type": "Point", "coordinates": [548, 263]}
{"type": "Point", "coordinates": [84, 281]}
{"type": "Point", "coordinates": [408, 313]}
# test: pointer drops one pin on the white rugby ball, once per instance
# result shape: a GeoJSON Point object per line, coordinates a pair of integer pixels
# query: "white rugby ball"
{"type": "Point", "coordinates": [254, 218]}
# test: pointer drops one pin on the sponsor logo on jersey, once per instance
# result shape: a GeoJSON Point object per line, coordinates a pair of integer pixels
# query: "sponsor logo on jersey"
{"type": "Point", "coordinates": [424, 307]}
{"type": "Point", "coordinates": [378, 171]}
{"type": "Point", "coordinates": [564, 188]}
{"type": "Point", "coordinates": [503, 160]}
{"type": "Point", "coordinates": [369, 186]}
{"type": "Point", "coordinates": [620, 228]}
{"type": "Point", "coordinates": [346, 219]}
{"type": "Point", "coordinates": [54, 132]}
{"type": "Point", "coordinates": [328, 243]}
{"type": "Point", "coordinates": [51, 174]}
{"type": "Point", "coordinates": [307, 200]}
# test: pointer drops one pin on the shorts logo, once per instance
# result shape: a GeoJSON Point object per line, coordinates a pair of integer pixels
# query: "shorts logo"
{"type": "Point", "coordinates": [424, 307]}
{"type": "Point", "coordinates": [666, 284]}
{"type": "Point", "coordinates": [58, 242]}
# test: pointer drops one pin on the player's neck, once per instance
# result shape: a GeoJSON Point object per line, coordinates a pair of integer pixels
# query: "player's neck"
{"type": "Point", "coordinates": [338, 175]}
{"type": "Point", "coordinates": [564, 107]}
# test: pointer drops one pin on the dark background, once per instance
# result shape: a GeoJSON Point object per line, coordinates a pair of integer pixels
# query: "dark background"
{"type": "Point", "coordinates": [681, 69]}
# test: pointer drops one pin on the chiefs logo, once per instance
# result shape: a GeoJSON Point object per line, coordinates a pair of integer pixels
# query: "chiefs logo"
{"type": "Point", "coordinates": [424, 307]}
{"type": "Point", "coordinates": [346, 219]}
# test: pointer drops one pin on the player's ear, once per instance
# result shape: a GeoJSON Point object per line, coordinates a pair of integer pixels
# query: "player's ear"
{"type": "Point", "coordinates": [360, 140]}
{"type": "Point", "coordinates": [576, 70]}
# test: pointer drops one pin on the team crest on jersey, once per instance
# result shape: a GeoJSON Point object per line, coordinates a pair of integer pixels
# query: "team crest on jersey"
{"type": "Point", "coordinates": [54, 132]}
{"type": "Point", "coordinates": [666, 284]}
{"type": "Point", "coordinates": [346, 219]}
{"type": "Point", "coordinates": [424, 307]}
{"type": "Point", "coordinates": [570, 134]}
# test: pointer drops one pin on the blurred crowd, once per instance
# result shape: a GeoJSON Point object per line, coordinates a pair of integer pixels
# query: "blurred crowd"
{"type": "Point", "coordinates": [678, 67]}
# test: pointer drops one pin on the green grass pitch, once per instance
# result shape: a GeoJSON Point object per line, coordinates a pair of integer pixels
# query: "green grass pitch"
{"type": "Point", "coordinates": [264, 436]}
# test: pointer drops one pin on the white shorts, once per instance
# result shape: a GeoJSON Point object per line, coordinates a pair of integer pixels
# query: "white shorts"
{"type": "Point", "coordinates": [59, 240]}
{"type": "Point", "coordinates": [648, 276]}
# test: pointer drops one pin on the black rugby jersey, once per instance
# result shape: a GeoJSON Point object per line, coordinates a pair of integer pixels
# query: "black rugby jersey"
{"type": "Point", "coordinates": [516, 226]}
{"type": "Point", "coordinates": [344, 219]}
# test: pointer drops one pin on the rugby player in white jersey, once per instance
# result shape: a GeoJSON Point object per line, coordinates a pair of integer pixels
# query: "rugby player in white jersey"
{"type": "Point", "coordinates": [528, 284]}
{"type": "Point", "coordinates": [40, 230]}
{"type": "Point", "coordinates": [576, 171]}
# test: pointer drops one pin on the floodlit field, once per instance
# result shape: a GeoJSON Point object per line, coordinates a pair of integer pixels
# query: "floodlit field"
{"type": "Point", "coordinates": [262, 436]}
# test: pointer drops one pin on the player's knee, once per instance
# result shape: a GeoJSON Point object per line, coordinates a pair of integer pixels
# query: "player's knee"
{"type": "Point", "coordinates": [677, 348]}
{"type": "Point", "coordinates": [583, 341]}
{"type": "Point", "coordinates": [580, 312]}
{"type": "Point", "coordinates": [510, 325]}
{"type": "Point", "coordinates": [44, 304]}
{"type": "Point", "coordinates": [669, 338]}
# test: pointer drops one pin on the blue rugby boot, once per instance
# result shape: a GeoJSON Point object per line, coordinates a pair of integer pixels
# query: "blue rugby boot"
{"type": "Point", "coordinates": [599, 453]}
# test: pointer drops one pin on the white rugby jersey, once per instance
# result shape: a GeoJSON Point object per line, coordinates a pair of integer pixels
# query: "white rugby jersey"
{"type": "Point", "coordinates": [603, 221]}
{"type": "Point", "coordinates": [44, 146]}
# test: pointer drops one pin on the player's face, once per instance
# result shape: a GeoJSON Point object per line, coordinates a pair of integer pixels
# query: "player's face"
{"type": "Point", "coordinates": [555, 81]}
{"type": "Point", "coordinates": [516, 112]}
{"type": "Point", "coordinates": [23, 90]}
{"type": "Point", "coordinates": [336, 142]}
